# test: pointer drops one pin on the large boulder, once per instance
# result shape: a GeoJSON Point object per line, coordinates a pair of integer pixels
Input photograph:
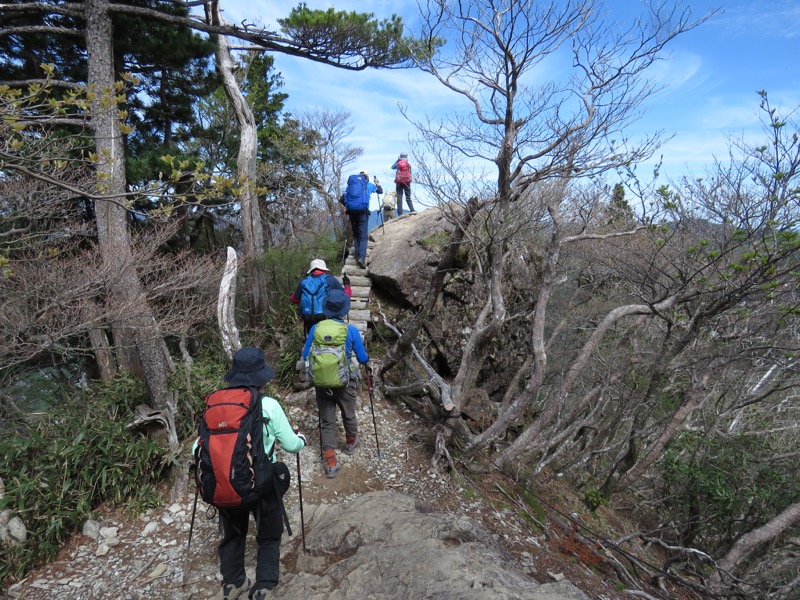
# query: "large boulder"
{"type": "Point", "coordinates": [403, 258]}
{"type": "Point", "coordinates": [381, 546]}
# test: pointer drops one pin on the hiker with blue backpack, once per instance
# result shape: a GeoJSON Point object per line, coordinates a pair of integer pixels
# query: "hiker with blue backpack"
{"type": "Point", "coordinates": [312, 291]}
{"type": "Point", "coordinates": [238, 473]}
{"type": "Point", "coordinates": [356, 202]}
{"type": "Point", "coordinates": [327, 352]}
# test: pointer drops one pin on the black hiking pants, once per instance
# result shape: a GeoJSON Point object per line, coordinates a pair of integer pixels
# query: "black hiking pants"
{"type": "Point", "coordinates": [310, 321]}
{"type": "Point", "coordinates": [268, 539]}
{"type": "Point", "coordinates": [403, 188]}
{"type": "Point", "coordinates": [360, 223]}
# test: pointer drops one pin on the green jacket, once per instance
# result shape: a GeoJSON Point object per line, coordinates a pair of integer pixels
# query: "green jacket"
{"type": "Point", "coordinates": [278, 428]}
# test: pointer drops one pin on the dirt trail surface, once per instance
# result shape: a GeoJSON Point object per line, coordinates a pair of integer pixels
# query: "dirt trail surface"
{"type": "Point", "coordinates": [124, 558]}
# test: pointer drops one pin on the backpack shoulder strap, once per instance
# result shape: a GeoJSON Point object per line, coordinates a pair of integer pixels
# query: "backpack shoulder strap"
{"type": "Point", "coordinates": [261, 420]}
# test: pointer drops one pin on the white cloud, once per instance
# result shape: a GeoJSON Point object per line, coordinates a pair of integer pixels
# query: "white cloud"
{"type": "Point", "coordinates": [681, 70]}
{"type": "Point", "coordinates": [778, 19]}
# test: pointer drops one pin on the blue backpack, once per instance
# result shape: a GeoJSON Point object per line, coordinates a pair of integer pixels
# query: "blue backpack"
{"type": "Point", "coordinates": [314, 291]}
{"type": "Point", "coordinates": [356, 198]}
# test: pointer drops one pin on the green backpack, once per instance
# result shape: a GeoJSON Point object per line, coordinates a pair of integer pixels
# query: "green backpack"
{"type": "Point", "coordinates": [327, 360]}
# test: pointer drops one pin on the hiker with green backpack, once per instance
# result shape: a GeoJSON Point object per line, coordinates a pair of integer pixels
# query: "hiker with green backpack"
{"type": "Point", "coordinates": [327, 352]}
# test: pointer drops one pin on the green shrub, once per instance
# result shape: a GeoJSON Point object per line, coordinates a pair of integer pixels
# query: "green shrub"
{"type": "Point", "coordinates": [718, 487]}
{"type": "Point", "coordinates": [435, 242]}
{"type": "Point", "coordinates": [594, 499]}
{"type": "Point", "coordinates": [285, 365]}
{"type": "Point", "coordinates": [58, 468]}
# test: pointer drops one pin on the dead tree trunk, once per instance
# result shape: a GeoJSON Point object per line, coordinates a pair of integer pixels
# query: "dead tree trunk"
{"type": "Point", "coordinates": [226, 306]}
{"type": "Point", "coordinates": [252, 231]}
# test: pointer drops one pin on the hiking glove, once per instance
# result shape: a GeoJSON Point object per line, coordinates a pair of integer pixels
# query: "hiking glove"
{"type": "Point", "coordinates": [345, 279]}
{"type": "Point", "coordinates": [302, 437]}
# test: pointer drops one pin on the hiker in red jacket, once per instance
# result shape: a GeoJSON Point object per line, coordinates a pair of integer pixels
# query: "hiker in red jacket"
{"type": "Point", "coordinates": [402, 180]}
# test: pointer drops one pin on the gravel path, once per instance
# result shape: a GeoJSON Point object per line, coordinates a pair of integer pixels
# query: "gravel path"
{"type": "Point", "coordinates": [146, 557]}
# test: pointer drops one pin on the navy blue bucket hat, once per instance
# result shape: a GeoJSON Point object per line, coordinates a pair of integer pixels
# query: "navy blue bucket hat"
{"type": "Point", "coordinates": [249, 369]}
{"type": "Point", "coordinates": [337, 304]}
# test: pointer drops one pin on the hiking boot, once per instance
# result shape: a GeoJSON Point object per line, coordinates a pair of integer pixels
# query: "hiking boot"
{"type": "Point", "coordinates": [361, 264]}
{"type": "Point", "coordinates": [331, 464]}
{"type": "Point", "coordinates": [231, 592]}
{"type": "Point", "coordinates": [262, 594]}
{"type": "Point", "coordinates": [353, 442]}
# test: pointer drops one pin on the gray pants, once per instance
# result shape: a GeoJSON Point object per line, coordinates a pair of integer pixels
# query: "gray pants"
{"type": "Point", "coordinates": [327, 401]}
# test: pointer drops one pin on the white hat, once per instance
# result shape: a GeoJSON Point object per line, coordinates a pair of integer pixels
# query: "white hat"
{"type": "Point", "coordinates": [318, 263]}
{"type": "Point", "coordinates": [403, 155]}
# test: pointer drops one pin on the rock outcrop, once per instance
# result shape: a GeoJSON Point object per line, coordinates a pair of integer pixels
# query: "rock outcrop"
{"type": "Point", "coordinates": [401, 263]}
{"type": "Point", "coordinates": [383, 545]}
{"type": "Point", "coordinates": [402, 257]}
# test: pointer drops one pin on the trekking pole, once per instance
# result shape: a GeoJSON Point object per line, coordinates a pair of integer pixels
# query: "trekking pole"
{"type": "Point", "coordinates": [300, 491]}
{"type": "Point", "coordinates": [319, 426]}
{"type": "Point", "coordinates": [372, 409]}
{"type": "Point", "coordinates": [194, 511]}
{"type": "Point", "coordinates": [380, 207]}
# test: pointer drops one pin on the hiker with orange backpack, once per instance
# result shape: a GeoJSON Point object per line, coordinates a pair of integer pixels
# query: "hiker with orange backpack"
{"type": "Point", "coordinates": [237, 472]}
{"type": "Point", "coordinates": [402, 180]}
{"type": "Point", "coordinates": [327, 351]}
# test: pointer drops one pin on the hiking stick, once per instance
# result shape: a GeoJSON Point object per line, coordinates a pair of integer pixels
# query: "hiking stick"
{"type": "Point", "coordinates": [300, 491]}
{"type": "Point", "coordinates": [194, 511]}
{"type": "Point", "coordinates": [372, 409]}
{"type": "Point", "coordinates": [319, 426]}
{"type": "Point", "coordinates": [380, 207]}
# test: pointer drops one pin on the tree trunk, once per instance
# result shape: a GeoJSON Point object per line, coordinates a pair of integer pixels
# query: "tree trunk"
{"type": "Point", "coordinates": [538, 348]}
{"type": "Point", "coordinates": [252, 231]}
{"type": "Point", "coordinates": [691, 402]}
{"type": "Point", "coordinates": [226, 305]}
{"type": "Point", "coordinates": [139, 332]}
{"type": "Point", "coordinates": [749, 541]}
{"type": "Point", "coordinates": [102, 354]}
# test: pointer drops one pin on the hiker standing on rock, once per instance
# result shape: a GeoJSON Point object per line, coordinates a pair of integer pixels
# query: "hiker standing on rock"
{"type": "Point", "coordinates": [389, 202]}
{"type": "Point", "coordinates": [356, 202]}
{"type": "Point", "coordinates": [312, 291]}
{"type": "Point", "coordinates": [249, 370]}
{"type": "Point", "coordinates": [328, 349]}
{"type": "Point", "coordinates": [402, 180]}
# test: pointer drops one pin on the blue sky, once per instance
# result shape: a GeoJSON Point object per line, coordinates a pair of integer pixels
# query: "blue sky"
{"type": "Point", "coordinates": [710, 82]}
